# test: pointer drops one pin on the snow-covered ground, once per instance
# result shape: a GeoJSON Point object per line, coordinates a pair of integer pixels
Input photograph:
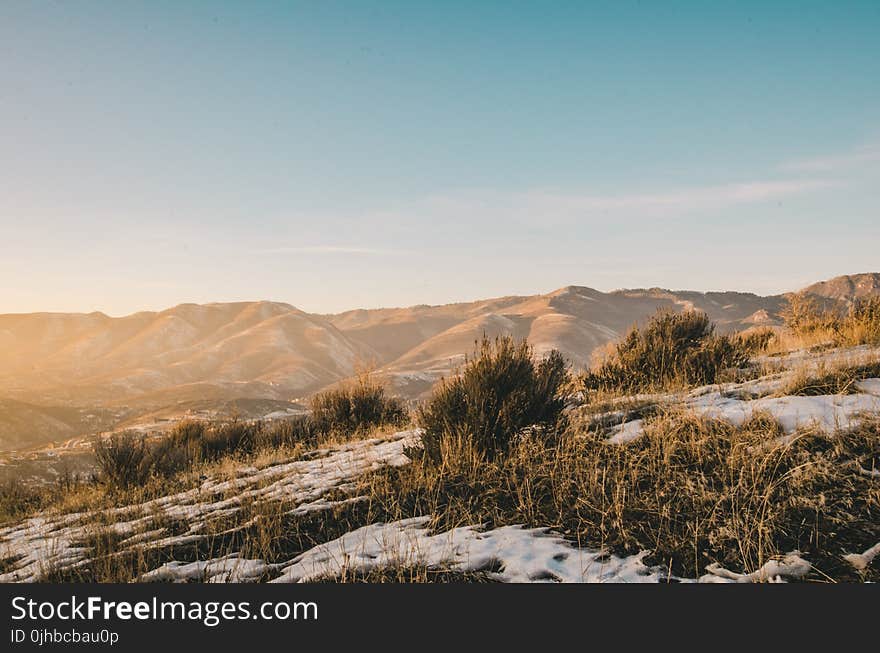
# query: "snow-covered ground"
{"type": "Point", "coordinates": [826, 412]}
{"type": "Point", "coordinates": [737, 403]}
{"type": "Point", "coordinates": [42, 544]}
{"type": "Point", "coordinates": [511, 553]}
{"type": "Point", "coordinates": [508, 554]}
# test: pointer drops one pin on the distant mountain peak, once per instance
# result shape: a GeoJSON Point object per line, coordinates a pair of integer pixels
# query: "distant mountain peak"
{"type": "Point", "coordinates": [273, 350]}
{"type": "Point", "coordinates": [846, 288]}
{"type": "Point", "coordinates": [574, 290]}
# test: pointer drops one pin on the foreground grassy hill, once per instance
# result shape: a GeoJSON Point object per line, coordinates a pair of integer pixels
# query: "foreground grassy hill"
{"type": "Point", "coordinates": [514, 470]}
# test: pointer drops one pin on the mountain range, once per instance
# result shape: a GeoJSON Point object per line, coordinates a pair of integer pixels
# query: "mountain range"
{"type": "Point", "coordinates": [274, 351]}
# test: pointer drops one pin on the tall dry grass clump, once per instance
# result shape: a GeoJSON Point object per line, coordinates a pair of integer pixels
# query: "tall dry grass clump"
{"type": "Point", "coordinates": [123, 459]}
{"type": "Point", "coordinates": [19, 499]}
{"type": "Point", "coordinates": [754, 340]}
{"type": "Point", "coordinates": [671, 350]}
{"type": "Point", "coordinates": [498, 392]}
{"type": "Point", "coordinates": [861, 325]}
{"type": "Point", "coordinates": [358, 406]}
{"type": "Point", "coordinates": [126, 460]}
{"type": "Point", "coordinates": [805, 317]}
{"type": "Point", "coordinates": [808, 323]}
{"type": "Point", "coordinates": [129, 459]}
{"type": "Point", "coordinates": [835, 379]}
{"type": "Point", "coordinates": [692, 491]}
{"type": "Point", "coordinates": [194, 442]}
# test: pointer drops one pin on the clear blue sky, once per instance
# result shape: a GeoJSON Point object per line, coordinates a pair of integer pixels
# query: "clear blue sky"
{"type": "Point", "coordinates": [336, 155]}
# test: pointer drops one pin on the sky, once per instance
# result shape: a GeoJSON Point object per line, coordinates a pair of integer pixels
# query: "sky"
{"type": "Point", "coordinates": [336, 155]}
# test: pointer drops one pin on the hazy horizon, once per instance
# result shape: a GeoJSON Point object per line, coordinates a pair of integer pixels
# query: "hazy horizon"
{"type": "Point", "coordinates": [456, 300]}
{"type": "Point", "coordinates": [335, 156]}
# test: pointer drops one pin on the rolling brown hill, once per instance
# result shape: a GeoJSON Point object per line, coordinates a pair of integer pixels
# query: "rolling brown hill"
{"type": "Point", "coordinates": [425, 342]}
{"type": "Point", "coordinates": [266, 350]}
{"type": "Point", "coordinates": [847, 288]}
{"type": "Point", "coordinates": [260, 349]}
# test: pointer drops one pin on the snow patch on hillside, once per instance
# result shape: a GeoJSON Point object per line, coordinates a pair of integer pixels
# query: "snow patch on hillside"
{"type": "Point", "coordinates": [507, 554]}
{"type": "Point", "coordinates": [826, 412]}
{"type": "Point", "coordinates": [54, 543]}
{"type": "Point", "coordinates": [510, 553]}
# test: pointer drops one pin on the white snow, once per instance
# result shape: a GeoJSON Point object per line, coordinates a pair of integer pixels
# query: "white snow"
{"type": "Point", "coordinates": [791, 566]}
{"type": "Point", "coordinates": [281, 414]}
{"type": "Point", "coordinates": [520, 554]}
{"type": "Point", "coordinates": [228, 569]}
{"type": "Point", "coordinates": [861, 560]}
{"type": "Point", "coordinates": [814, 360]}
{"type": "Point", "coordinates": [869, 386]}
{"type": "Point", "coordinates": [510, 553]}
{"type": "Point", "coordinates": [826, 412]}
{"type": "Point", "coordinates": [627, 432]}
{"type": "Point", "coordinates": [40, 544]}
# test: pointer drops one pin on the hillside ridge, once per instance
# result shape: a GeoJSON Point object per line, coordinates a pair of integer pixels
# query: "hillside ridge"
{"type": "Point", "coordinates": [274, 350]}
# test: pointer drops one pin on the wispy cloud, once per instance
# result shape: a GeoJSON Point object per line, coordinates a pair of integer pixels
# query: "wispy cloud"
{"type": "Point", "coordinates": [866, 155]}
{"type": "Point", "coordinates": [683, 199]}
{"type": "Point", "coordinates": [556, 207]}
{"type": "Point", "coordinates": [325, 249]}
{"type": "Point", "coordinates": [455, 219]}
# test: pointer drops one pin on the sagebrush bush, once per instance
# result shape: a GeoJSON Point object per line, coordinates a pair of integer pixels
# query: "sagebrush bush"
{"type": "Point", "coordinates": [288, 433]}
{"type": "Point", "coordinates": [803, 316]}
{"type": "Point", "coordinates": [191, 442]}
{"type": "Point", "coordinates": [498, 393]}
{"type": "Point", "coordinates": [861, 325]}
{"type": "Point", "coordinates": [17, 499]}
{"type": "Point", "coordinates": [356, 407]}
{"type": "Point", "coordinates": [123, 459]}
{"type": "Point", "coordinates": [755, 341]}
{"type": "Point", "coordinates": [230, 438]}
{"type": "Point", "coordinates": [178, 450]}
{"type": "Point", "coordinates": [672, 349]}
{"type": "Point", "coordinates": [128, 459]}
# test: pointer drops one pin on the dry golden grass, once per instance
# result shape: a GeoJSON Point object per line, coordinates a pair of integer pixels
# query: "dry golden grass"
{"type": "Point", "coordinates": [672, 351]}
{"type": "Point", "coordinates": [691, 490]}
{"type": "Point", "coordinates": [355, 406]}
{"type": "Point", "coordinates": [18, 501]}
{"type": "Point", "coordinates": [826, 379]}
{"type": "Point", "coordinates": [811, 326]}
{"type": "Point", "coordinates": [785, 341]}
{"type": "Point", "coordinates": [407, 574]}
